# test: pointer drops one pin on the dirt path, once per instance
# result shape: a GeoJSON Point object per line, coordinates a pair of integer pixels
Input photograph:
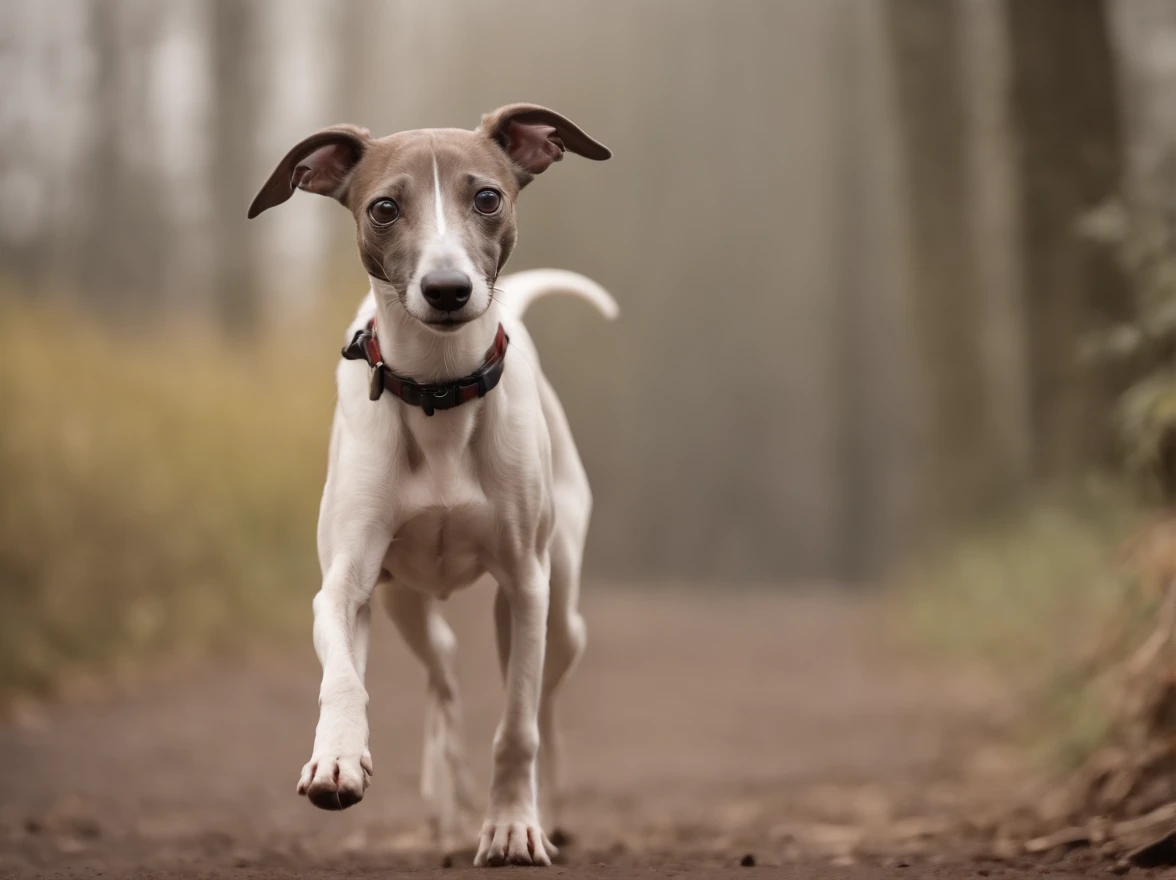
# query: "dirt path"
{"type": "Point", "coordinates": [698, 729]}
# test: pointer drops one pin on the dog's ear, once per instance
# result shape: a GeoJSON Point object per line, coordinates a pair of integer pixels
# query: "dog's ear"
{"type": "Point", "coordinates": [322, 163]}
{"type": "Point", "coordinates": [534, 137]}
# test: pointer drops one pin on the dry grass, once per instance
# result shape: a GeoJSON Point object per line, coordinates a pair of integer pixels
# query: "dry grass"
{"type": "Point", "coordinates": [159, 492]}
{"type": "Point", "coordinates": [1076, 607]}
{"type": "Point", "coordinates": [1121, 799]}
{"type": "Point", "coordinates": [1031, 598]}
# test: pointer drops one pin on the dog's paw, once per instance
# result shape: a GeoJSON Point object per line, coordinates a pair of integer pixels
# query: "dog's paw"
{"type": "Point", "coordinates": [513, 843]}
{"type": "Point", "coordinates": [335, 782]}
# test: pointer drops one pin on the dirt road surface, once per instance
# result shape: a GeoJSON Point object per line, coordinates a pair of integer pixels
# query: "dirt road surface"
{"type": "Point", "coordinates": [702, 729]}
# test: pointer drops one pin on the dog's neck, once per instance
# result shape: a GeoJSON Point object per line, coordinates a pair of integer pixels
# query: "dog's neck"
{"type": "Point", "coordinates": [414, 351]}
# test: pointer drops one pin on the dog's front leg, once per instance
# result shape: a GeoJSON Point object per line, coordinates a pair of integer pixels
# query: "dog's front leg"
{"type": "Point", "coordinates": [340, 765]}
{"type": "Point", "coordinates": [511, 832]}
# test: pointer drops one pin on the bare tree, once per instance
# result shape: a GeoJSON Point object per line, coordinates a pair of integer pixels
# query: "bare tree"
{"type": "Point", "coordinates": [929, 93]}
{"type": "Point", "coordinates": [857, 482]}
{"type": "Point", "coordinates": [119, 260]}
{"type": "Point", "coordinates": [995, 213]}
{"type": "Point", "coordinates": [100, 263]}
{"type": "Point", "coordinates": [1070, 157]}
{"type": "Point", "coordinates": [235, 94]}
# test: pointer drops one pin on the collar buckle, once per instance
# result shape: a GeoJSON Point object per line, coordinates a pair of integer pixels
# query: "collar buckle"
{"type": "Point", "coordinates": [435, 398]}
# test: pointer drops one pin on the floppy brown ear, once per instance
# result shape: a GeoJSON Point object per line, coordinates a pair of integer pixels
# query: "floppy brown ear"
{"type": "Point", "coordinates": [322, 163]}
{"type": "Point", "coordinates": [534, 137]}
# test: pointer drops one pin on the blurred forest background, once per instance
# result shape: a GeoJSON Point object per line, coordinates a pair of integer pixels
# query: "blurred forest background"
{"type": "Point", "coordinates": [860, 248]}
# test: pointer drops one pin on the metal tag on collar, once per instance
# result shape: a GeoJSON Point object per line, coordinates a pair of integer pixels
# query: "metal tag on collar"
{"type": "Point", "coordinates": [376, 383]}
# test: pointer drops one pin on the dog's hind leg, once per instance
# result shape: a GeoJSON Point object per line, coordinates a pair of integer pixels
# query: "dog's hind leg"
{"type": "Point", "coordinates": [446, 783]}
{"type": "Point", "coordinates": [567, 637]}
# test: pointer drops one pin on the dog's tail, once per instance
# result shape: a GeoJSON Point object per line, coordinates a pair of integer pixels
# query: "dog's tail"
{"type": "Point", "coordinates": [520, 289]}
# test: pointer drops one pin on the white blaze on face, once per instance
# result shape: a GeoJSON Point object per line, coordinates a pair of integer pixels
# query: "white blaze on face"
{"type": "Point", "coordinates": [444, 249]}
{"type": "Point", "coordinates": [438, 202]}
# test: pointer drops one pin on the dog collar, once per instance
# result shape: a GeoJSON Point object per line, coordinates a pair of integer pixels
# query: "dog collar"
{"type": "Point", "coordinates": [365, 346]}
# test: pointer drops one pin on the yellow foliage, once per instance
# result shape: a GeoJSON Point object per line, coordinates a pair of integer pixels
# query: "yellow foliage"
{"type": "Point", "coordinates": [158, 492]}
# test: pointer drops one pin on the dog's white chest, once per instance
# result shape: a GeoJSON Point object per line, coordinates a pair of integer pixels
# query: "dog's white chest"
{"type": "Point", "coordinates": [446, 528]}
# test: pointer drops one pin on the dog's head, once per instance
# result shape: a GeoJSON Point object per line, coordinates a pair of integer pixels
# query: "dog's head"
{"type": "Point", "coordinates": [434, 209]}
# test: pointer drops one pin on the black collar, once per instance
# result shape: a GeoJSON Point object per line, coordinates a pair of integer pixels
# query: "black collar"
{"type": "Point", "coordinates": [365, 346]}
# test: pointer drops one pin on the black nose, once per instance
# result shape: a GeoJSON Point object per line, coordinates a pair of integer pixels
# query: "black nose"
{"type": "Point", "coordinates": [446, 289]}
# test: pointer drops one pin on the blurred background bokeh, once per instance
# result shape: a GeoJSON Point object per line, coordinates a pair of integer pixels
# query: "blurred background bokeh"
{"type": "Point", "coordinates": [864, 249]}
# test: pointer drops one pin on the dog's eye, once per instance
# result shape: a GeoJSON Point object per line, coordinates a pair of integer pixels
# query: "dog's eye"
{"type": "Point", "coordinates": [384, 212]}
{"type": "Point", "coordinates": [487, 201]}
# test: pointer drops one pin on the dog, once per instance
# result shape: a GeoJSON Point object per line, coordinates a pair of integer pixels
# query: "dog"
{"type": "Point", "coordinates": [450, 457]}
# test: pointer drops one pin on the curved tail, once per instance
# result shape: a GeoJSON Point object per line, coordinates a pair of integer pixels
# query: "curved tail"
{"type": "Point", "coordinates": [520, 289]}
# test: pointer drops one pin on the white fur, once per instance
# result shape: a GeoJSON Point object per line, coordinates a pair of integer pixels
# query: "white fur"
{"type": "Point", "coordinates": [498, 487]}
{"type": "Point", "coordinates": [438, 202]}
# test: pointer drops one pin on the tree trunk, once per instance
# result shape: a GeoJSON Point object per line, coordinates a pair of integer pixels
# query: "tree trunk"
{"type": "Point", "coordinates": [235, 110]}
{"type": "Point", "coordinates": [929, 93]}
{"type": "Point", "coordinates": [119, 261]}
{"type": "Point", "coordinates": [857, 484]}
{"type": "Point", "coordinates": [1070, 156]}
{"type": "Point", "coordinates": [100, 265]}
{"type": "Point", "coordinates": [995, 215]}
